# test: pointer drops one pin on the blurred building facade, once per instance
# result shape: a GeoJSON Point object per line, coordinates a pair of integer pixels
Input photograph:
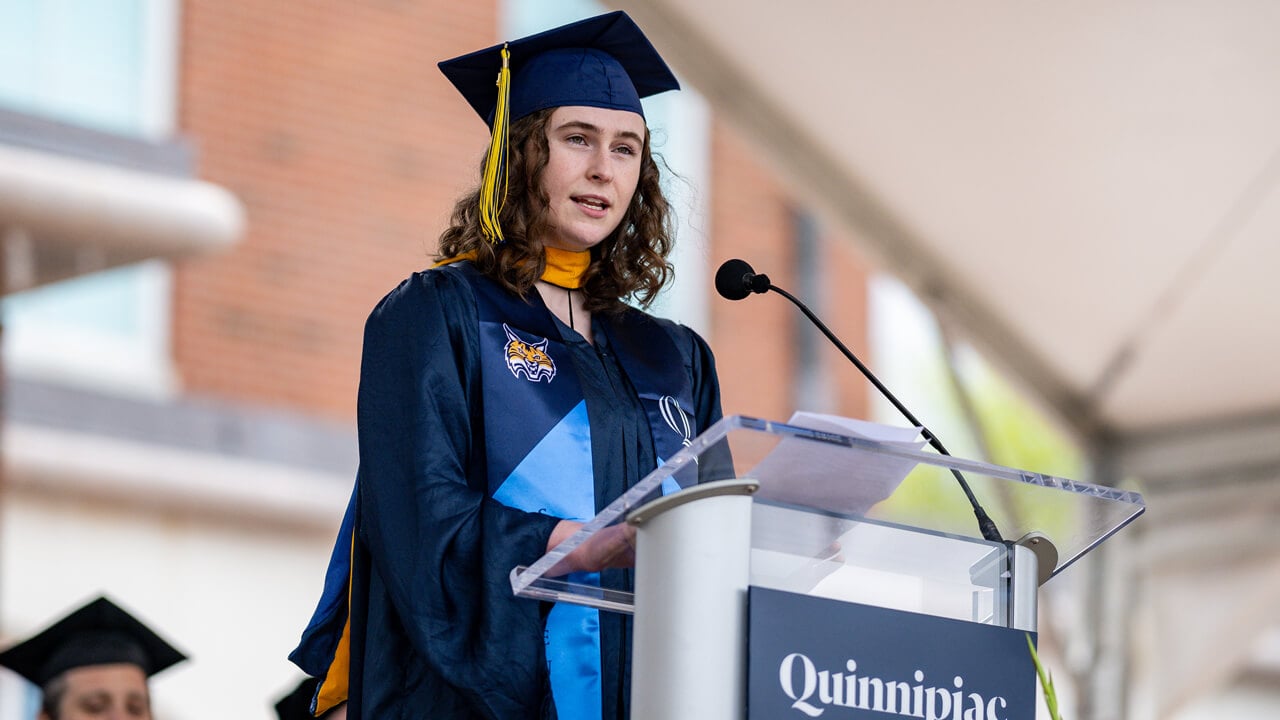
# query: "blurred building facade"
{"type": "Point", "coordinates": [180, 433]}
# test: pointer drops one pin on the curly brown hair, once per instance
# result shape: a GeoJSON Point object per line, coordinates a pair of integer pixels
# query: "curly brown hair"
{"type": "Point", "coordinates": [630, 263]}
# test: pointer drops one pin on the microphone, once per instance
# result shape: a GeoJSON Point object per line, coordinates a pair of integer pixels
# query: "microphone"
{"type": "Point", "coordinates": [736, 280]}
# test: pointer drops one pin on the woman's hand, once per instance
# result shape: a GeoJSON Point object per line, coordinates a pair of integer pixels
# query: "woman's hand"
{"type": "Point", "coordinates": [611, 547]}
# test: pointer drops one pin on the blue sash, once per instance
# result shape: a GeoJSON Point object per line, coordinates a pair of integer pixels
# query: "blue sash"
{"type": "Point", "coordinates": [539, 454]}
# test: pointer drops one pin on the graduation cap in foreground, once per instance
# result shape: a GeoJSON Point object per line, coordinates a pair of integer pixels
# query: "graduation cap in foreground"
{"type": "Point", "coordinates": [100, 633]}
{"type": "Point", "coordinates": [297, 704]}
{"type": "Point", "coordinates": [604, 61]}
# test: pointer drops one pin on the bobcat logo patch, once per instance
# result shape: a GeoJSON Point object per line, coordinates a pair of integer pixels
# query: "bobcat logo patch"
{"type": "Point", "coordinates": [528, 359]}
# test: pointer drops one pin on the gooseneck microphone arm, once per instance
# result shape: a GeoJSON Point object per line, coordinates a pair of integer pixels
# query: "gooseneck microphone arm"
{"type": "Point", "coordinates": [736, 280]}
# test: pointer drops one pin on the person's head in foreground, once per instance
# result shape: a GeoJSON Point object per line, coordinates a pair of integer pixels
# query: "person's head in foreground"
{"type": "Point", "coordinates": [93, 663]}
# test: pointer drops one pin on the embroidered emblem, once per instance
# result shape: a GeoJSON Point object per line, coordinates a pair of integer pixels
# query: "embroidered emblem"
{"type": "Point", "coordinates": [529, 359]}
{"type": "Point", "coordinates": [676, 418]}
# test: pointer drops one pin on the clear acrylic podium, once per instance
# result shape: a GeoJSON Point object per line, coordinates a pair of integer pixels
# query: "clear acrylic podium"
{"type": "Point", "coordinates": [757, 503]}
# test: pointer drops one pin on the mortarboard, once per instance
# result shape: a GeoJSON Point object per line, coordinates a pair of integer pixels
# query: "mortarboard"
{"type": "Point", "coordinates": [297, 704]}
{"type": "Point", "coordinates": [100, 633]}
{"type": "Point", "coordinates": [604, 61]}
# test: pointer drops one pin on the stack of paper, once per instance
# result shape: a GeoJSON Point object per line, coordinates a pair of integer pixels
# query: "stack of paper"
{"type": "Point", "coordinates": [833, 476]}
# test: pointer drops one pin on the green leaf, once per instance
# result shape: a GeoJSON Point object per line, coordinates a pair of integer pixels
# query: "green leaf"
{"type": "Point", "coordinates": [1046, 681]}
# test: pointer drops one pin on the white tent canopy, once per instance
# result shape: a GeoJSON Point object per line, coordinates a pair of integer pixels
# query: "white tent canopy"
{"type": "Point", "coordinates": [1090, 192]}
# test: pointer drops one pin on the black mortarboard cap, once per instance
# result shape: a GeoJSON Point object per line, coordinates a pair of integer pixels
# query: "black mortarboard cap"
{"type": "Point", "coordinates": [604, 61]}
{"type": "Point", "coordinates": [100, 633]}
{"type": "Point", "coordinates": [297, 704]}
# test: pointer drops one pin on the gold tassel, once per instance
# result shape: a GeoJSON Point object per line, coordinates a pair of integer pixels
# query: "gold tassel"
{"type": "Point", "coordinates": [493, 187]}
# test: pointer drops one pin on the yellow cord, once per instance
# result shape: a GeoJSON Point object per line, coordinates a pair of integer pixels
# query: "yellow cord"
{"type": "Point", "coordinates": [493, 187]}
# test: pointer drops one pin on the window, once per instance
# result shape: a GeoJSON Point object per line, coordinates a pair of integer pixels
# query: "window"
{"type": "Point", "coordinates": [110, 67]}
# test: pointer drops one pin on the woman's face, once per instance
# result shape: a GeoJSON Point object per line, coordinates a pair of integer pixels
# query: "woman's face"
{"type": "Point", "coordinates": [591, 174]}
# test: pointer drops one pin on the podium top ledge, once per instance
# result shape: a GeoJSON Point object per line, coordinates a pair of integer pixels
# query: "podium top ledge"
{"type": "Point", "coordinates": [857, 479]}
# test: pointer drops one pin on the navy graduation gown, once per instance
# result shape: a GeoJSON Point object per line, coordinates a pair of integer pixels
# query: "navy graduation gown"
{"type": "Point", "coordinates": [434, 628]}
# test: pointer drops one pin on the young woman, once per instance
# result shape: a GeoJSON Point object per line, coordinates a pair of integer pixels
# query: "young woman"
{"type": "Point", "coordinates": [508, 394]}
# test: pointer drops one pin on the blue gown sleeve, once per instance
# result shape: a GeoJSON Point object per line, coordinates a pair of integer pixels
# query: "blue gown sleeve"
{"type": "Point", "coordinates": [717, 461]}
{"type": "Point", "coordinates": [706, 385]}
{"type": "Point", "coordinates": [438, 544]}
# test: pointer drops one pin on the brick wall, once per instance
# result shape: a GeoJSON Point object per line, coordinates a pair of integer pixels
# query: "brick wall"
{"type": "Point", "coordinates": [752, 219]}
{"type": "Point", "coordinates": [347, 146]}
{"type": "Point", "coordinates": [845, 312]}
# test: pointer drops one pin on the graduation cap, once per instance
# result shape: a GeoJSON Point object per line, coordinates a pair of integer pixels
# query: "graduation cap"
{"type": "Point", "coordinates": [604, 61]}
{"type": "Point", "coordinates": [100, 633]}
{"type": "Point", "coordinates": [297, 704]}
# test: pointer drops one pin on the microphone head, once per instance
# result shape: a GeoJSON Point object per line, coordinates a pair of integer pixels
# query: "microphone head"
{"type": "Point", "coordinates": [733, 279]}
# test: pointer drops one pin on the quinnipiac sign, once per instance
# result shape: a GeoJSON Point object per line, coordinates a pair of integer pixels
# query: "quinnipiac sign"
{"type": "Point", "coordinates": [811, 657]}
